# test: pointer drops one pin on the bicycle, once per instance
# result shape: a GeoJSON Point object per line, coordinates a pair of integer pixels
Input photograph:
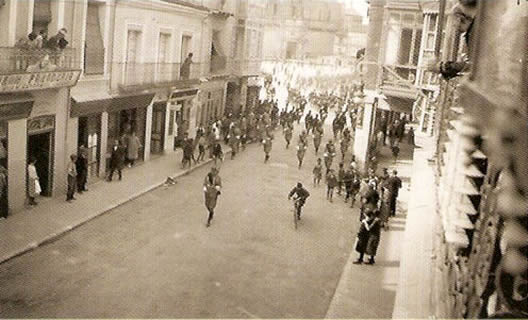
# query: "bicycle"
{"type": "Point", "coordinates": [296, 211]}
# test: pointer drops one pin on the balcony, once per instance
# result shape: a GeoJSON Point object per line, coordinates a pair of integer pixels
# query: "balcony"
{"type": "Point", "coordinates": [35, 69]}
{"type": "Point", "coordinates": [399, 81]}
{"type": "Point", "coordinates": [246, 67]}
{"type": "Point", "coordinates": [144, 76]}
{"type": "Point", "coordinates": [218, 65]}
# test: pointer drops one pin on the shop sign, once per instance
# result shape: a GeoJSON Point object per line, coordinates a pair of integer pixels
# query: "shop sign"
{"type": "Point", "coordinates": [38, 80]}
{"type": "Point", "coordinates": [41, 124]}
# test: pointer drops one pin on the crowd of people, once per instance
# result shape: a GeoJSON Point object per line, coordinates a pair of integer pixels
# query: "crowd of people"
{"type": "Point", "coordinates": [40, 53]}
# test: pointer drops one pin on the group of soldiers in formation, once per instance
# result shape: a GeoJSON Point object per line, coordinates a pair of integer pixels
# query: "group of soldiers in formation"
{"type": "Point", "coordinates": [378, 193]}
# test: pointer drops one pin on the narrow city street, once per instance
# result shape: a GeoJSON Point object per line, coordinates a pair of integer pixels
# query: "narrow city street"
{"type": "Point", "coordinates": [154, 258]}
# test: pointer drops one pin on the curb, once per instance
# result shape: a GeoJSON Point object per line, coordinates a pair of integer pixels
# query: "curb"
{"type": "Point", "coordinates": [55, 235]}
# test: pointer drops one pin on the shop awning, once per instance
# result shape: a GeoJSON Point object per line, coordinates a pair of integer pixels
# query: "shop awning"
{"type": "Point", "coordinates": [86, 104]}
{"type": "Point", "coordinates": [130, 102]}
{"type": "Point", "coordinates": [396, 104]}
{"type": "Point", "coordinates": [15, 106]}
{"type": "Point", "coordinates": [89, 98]}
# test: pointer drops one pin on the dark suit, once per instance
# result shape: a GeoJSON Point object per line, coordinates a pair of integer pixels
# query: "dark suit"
{"type": "Point", "coordinates": [117, 161]}
{"type": "Point", "coordinates": [82, 172]}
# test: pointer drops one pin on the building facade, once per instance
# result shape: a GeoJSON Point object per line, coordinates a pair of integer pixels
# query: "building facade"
{"type": "Point", "coordinates": [35, 97]}
{"type": "Point", "coordinates": [481, 257]}
{"type": "Point", "coordinates": [126, 69]}
{"type": "Point", "coordinates": [302, 29]}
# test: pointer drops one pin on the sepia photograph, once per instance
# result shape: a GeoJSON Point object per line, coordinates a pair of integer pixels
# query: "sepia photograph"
{"type": "Point", "coordinates": [263, 159]}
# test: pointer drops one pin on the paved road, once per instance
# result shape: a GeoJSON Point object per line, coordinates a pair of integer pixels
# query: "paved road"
{"type": "Point", "coordinates": [154, 258]}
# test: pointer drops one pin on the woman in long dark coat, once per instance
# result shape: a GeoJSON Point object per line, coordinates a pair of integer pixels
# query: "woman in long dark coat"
{"type": "Point", "coordinates": [362, 239]}
{"type": "Point", "coordinates": [374, 236]}
{"type": "Point", "coordinates": [212, 186]}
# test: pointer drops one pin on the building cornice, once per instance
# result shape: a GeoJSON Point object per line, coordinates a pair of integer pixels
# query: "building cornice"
{"type": "Point", "coordinates": [161, 5]}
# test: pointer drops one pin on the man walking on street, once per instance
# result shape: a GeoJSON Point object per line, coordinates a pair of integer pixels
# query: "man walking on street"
{"type": "Point", "coordinates": [393, 185]}
{"type": "Point", "coordinates": [117, 160]}
{"type": "Point", "coordinates": [212, 189]}
{"type": "Point", "coordinates": [82, 169]}
{"type": "Point", "coordinates": [72, 178]}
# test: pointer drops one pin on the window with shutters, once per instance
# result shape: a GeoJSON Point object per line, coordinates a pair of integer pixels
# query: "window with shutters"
{"type": "Point", "coordinates": [93, 46]}
{"type": "Point", "coordinates": [164, 67]}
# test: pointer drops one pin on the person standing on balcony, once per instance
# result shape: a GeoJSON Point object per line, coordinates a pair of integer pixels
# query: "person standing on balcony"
{"type": "Point", "coordinates": [58, 41]}
{"type": "Point", "coordinates": [185, 69]}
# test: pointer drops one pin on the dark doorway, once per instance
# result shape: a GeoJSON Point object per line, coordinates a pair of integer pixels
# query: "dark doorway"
{"type": "Point", "coordinates": [158, 127]}
{"type": "Point", "coordinates": [89, 137]}
{"type": "Point", "coordinates": [39, 147]}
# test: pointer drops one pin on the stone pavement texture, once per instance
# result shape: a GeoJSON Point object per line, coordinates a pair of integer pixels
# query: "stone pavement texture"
{"type": "Point", "coordinates": [53, 217]}
{"type": "Point", "coordinates": [413, 299]}
{"type": "Point", "coordinates": [153, 257]}
{"type": "Point", "coordinates": [369, 291]}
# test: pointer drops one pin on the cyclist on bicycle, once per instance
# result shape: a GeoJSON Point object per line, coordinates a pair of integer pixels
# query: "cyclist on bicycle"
{"type": "Point", "coordinates": [301, 194]}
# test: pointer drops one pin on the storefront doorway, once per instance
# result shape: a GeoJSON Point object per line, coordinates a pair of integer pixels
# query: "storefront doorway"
{"type": "Point", "coordinates": [159, 111]}
{"type": "Point", "coordinates": [89, 137]}
{"type": "Point", "coordinates": [40, 148]}
{"type": "Point", "coordinates": [124, 122]}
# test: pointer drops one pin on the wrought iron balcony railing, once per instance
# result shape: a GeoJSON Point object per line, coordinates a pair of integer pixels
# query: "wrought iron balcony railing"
{"type": "Point", "coordinates": [18, 60]}
{"type": "Point", "coordinates": [133, 75]}
{"type": "Point", "coordinates": [400, 76]}
{"type": "Point", "coordinates": [35, 69]}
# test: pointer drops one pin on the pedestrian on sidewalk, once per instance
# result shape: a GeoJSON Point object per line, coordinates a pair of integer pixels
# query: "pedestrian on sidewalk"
{"type": "Point", "coordinates": [356, 186]}
{"type": "Point", "coordinates": [33, 184]}
{"type": "Point", "coordinates": [410, 136]}
{"type": "Point", "coordinates": [188, 152]}
{"type": "Point", "coordinates": [348, 179]}
{"type": "Point", "coordinates": [201, 148]}
{"type": "Point", "coordinates": [72, 178]}
{"type": "Point", "coordinates": [117, 160]}
{"type": "Point", "coordinates": [368, 236]}
{"type": "Point", "coordinates": [362, 237]}
{"type": "Point", "coordinates": [344, 147]}
{"type": "Point", "coordinates": [317, 137]}
{"type": "Point", "coordinates": [301, 150]}
{"type": "Point", "coordinates": [212, 189]}
{"type": "Point", "coordinates": [396, 150]}
{"type": "Point", "coordinates": [331, 182]}
{"type": "Point", "coordinates": [394, 184]}
{"type": "Point", "coordinates": [385, 205]}
{"type": "Point", "coordinates": [218, 154]}
{"type": "Point", "coordinates": [318, 172]}
{"type": "Point", "coordinates": [133, 146]}
{"type": "Point", "coordinates": [288, 133]}
{"type": "Point", "coordinates": [340, 177]}
{"type": "Point", "coordinates": [369, 200]}
{"type": "Point", "coordinates": [267, 148]}
{"type": "Point", "coordinates": [82, 169]}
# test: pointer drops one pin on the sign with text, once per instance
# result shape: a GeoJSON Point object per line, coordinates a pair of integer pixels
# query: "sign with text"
{"type": "Point", "coordinates": [38, 80]}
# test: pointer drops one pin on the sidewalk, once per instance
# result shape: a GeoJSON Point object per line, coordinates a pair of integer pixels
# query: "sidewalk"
{"type": "Point", "coordinates": [413, 298]}
{"type": "Point", "coordinates": [30, 228]}
{"type": "Point", "coordinates": [366, 291]}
